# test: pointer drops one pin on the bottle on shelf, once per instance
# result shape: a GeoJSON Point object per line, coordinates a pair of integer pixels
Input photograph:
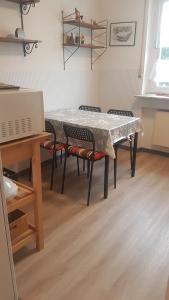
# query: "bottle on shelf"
{"type": "Point", "coordinates": [77, 39]}
{"type": "Point", "coordinates": [82, 39]}
{"type": "Point", "coordinates": [77, 14]}
{"type": "Point", "coordinates": [71, 40]}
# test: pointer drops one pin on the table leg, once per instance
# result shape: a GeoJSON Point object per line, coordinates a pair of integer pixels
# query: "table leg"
{"type": "Point", "coordinates": [106, 176]}
{"type": "Point", "coordinates": [37, 185]}
{"type": "Point", "coordinates": [134, 153]}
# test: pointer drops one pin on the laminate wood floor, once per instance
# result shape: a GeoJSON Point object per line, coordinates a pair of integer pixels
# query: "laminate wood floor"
{"type": "Point", "coordinates": [116, 249]}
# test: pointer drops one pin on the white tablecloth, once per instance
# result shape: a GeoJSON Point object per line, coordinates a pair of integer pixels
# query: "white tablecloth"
{"type": "Point", "coordinates": [107, 128]}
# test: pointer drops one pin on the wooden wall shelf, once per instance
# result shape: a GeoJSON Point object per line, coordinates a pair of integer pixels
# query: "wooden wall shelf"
{"type": "Point", "coordinates": [28, 44]}
{"type": "Point", "coordinates": [87, 46]}
{"type": "Point", "coordinates": [24, 2]}
{"type": "Point", "coordinates": [84, 25]}
{"type": "Point", "coordinates": [18, 41]}
{"type": "Point", "coordinates": [97, 43]}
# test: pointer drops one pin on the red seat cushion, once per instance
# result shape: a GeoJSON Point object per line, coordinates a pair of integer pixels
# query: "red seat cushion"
{"type": "Point", "coordinates": [49, 145]}
{"type": "Point", "coordinates": [85, 153]}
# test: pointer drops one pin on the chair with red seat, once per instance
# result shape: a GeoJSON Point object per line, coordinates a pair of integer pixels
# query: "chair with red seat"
{"type": "Point", "coordinates": [126, 113]}
{"type": "Point", "coordinates": [88, 154]}
{"type": "Point", "coordinates": [92, 109]}
{"type": "Point", "coordinates": [53, 148]}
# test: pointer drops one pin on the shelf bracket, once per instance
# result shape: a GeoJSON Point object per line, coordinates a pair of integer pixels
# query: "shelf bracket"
{"type": "Point", "coordinates": [25, 8]}
{"type": "Point", "coordinates": [28, 47]}
{"type": "Point", "coordinates": [71, 54]}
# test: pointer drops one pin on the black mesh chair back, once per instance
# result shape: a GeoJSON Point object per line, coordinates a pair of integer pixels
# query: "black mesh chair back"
{"type": "Point", "coordinates": [90, 108]}
{"type": "Point", "coordinates": [79, 133]}
{"type": "Point", "coordinates": [84, 135]}
{"type": "Point", "coordinates": [119, 112]}
{"type": "Point", "coordinates": [49, 127]}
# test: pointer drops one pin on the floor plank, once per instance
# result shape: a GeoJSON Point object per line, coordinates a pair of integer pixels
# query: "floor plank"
{"type": "Point", "coordinates": [117, 249]}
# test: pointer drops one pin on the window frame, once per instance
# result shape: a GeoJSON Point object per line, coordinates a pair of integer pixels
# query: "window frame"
{"type": "Point", "coordinates": [153, 48]}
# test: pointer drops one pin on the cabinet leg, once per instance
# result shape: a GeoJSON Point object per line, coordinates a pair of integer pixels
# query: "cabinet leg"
{"type": "Point", "coordinates": [37, 185]}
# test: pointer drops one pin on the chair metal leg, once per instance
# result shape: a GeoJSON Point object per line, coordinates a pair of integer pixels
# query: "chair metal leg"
{"type": "Point", "coordinates": [78, 169]}
{"type": "Point", "coordinates": [90, 183]}
{"type": "Point", "coordinates": [88, 168]}
{"type": "Point", "coordinates": [106, 176]}
{"type": "Point", "coordinates": [64, 173]}
{"type": "Point", "coordinates": [61, 157]}
{"type": "Point", "coordinates": [53, 168]}
{"type": "Point", "coordinates": [56, 163]}
{"type": "Point", "coordinates": [115, 167]}
{"type": "Point", "coordinates": [30, 170]}
{"type": "Point", "coordinates": [131, 154]}
{"type": "Point", "coordinates": [84, 165]}
{"type": "Point", "coordinates": [134, 153]}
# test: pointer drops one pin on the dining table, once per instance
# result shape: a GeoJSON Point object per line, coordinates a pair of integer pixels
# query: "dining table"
{"type": "Point", "coordinates": [106, 128]}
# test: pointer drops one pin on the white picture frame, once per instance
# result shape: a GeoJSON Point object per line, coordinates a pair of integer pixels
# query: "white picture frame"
{"type": "Point", "coordinates": [123, 33]}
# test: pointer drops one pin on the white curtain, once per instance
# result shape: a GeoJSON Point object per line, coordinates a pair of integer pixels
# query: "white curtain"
{"type": "Point", "coordinates": [160, 71]}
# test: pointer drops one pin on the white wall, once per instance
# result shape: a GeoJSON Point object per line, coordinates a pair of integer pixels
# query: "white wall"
{"type": "Point", "coordinates": [43, 69]}
{"type": "Point", "coordinates": [122, 68]}
{"type": "Point", "coordinates": [119, 81]}
{"type": "Point", "coordinates": [114, 82]}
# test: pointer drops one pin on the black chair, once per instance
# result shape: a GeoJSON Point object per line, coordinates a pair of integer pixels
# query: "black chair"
{"type": "Point", "coordinates": [127, 113]}
{"type": "Point", "coordinates": [94, 109]}
{"type": "Point", "coordinates": [89, 155]}
{"type": "Point", "coordinates": [53, 148]}
{"type": "Point", "coordinates": [90, 108]}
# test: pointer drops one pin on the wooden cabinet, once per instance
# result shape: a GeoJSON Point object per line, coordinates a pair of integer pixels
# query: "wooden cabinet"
{"type": "Point", "coordinates": [14, 152]}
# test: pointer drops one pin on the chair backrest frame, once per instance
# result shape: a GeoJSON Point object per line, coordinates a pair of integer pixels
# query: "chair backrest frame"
{"type": "Point", "coordinates": [127, 113]}
{"type": "Point", "coordinates": [50, 129]}
{"type": "Point", "coordinates": [90, 108]}
{"type": "Point", "coordinates": [79, 133]}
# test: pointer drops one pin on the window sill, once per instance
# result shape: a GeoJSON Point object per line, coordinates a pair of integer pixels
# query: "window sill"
{"type": "Point", "coordinates": [154, 101]}
{"type": "Point", "coordinates": [157, 96]}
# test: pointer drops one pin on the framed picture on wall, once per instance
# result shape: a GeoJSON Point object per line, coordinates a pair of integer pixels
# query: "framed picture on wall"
{"type": "Point", "coordinates": [123, 34]}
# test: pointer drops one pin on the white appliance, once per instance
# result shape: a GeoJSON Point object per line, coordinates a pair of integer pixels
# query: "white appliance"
{"type": "Point", "coordinates": [21, 113]}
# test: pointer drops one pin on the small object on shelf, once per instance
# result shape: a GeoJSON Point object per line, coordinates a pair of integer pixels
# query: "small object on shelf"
{"type": "Point", "coordinates": [94, 22]}
{"type": "Point", "coordinates": [71, 40]}
{"type": "Point", "coordinates": [82, 38]}
{"type": "Point", "coordinates": [17, 223]}
{"type": "Point", "coordinates": [77, 39]}
{"type": "Point", "coordinates": [19, 33]}
{"type": "Point", "coordinates": [77, 14]}
{"type": "Point", "coordinates": [10, 188]}
{"type": "Point", "coordinates": [81, 19]}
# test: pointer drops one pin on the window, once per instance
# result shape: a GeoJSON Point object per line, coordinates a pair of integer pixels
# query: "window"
{"type": "Point", "coordinates": [157, 49]}
{"type": "Point", "coordinates": [162, 68]}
